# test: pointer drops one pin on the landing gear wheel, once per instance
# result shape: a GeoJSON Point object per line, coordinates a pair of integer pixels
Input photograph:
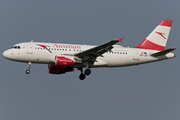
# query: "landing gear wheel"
{"type": "Point", "coordinates": [29, 66]}
{"type": "Point", "coordinates": [27, 71]}
{"type": "Point", "coordinates": [87, 72]}
{"type": "Point", "coordinates": [82, 76]}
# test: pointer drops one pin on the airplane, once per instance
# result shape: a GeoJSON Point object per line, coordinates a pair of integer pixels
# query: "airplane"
{"type": "Point", "coordinates": [62, 58]}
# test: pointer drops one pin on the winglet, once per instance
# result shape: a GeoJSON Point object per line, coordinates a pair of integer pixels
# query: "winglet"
{"type": "Point", "coordinates": [120, 40]}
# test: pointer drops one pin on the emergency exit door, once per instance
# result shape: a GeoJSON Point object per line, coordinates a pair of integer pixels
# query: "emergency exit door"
{"type": "Point", "coordinates": [30, 48]}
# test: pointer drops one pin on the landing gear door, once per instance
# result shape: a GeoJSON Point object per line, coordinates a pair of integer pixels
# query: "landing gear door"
{"type": "Point", "coordinates": [136, 55]}
{"type": "Point", "coordinates": [30, 48]}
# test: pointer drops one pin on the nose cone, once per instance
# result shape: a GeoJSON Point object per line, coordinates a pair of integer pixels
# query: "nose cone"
{"type": "Point", "coordinates": [7, 54]}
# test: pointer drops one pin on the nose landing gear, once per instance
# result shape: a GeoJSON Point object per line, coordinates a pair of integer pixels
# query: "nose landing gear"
{"type": "Point", "coordinates": [27, 71]}
{"type": "Point", "coordinates": [29, 66]}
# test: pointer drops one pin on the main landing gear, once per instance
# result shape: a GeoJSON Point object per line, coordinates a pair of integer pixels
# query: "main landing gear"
{"type": "Point", "coordinates": [29, 66]}
{"type": "Point", "coordinates": [82, 76]}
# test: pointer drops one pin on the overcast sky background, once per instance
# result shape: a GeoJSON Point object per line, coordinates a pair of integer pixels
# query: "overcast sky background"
{"type": "Point", "coordinates": [145, 92]}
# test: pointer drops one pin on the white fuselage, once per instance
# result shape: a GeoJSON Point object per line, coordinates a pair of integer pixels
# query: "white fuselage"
{"type": "Point", "coordinates": [119, 56]}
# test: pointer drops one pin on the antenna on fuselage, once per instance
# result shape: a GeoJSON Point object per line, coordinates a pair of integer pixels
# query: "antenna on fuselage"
{"type": "Point", "coordinates": [31, 40]}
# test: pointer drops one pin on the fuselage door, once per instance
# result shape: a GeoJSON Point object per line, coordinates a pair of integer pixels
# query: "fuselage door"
{"type": "Point", "coordinates": [30, 48]}
{"type": "Point", "coordinates": [136, 54]}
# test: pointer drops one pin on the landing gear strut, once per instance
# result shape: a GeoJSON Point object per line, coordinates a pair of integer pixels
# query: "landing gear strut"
{"type": "Point", "coordinates": [29, 66]}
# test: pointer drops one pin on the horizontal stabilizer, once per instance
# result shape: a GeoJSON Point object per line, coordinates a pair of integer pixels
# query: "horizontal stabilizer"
{"type": "Point", "coordinates": [163, 52]}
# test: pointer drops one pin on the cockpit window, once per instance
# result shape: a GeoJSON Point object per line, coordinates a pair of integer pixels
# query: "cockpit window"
{"type": "Point", "coordinates": [16, 47]}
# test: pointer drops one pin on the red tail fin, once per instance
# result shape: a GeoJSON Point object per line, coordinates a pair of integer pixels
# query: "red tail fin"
{"type": "Point", "coordinates": [157, 39]}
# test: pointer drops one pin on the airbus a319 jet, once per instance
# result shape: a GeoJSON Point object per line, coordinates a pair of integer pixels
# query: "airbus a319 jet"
{"type": "Point", "coordinates": [62, 58]}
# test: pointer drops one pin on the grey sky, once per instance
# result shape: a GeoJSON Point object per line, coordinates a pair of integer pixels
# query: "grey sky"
{"type": "Point", "coordinates": [145, 92]}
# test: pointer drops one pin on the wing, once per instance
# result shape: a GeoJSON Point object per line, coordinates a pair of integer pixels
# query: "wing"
{"type": "Point", "coordinates": [93, 53]}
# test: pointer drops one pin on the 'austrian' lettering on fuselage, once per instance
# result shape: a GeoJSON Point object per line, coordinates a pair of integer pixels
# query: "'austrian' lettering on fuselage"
{"type": "Point", "coordinates": [67, 46]}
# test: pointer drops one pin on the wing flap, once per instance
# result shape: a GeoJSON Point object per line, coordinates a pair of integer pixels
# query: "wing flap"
{"type": "Point", "coordinates": [98, 50]}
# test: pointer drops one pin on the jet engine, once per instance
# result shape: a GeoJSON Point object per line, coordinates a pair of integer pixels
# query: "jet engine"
{"type": "Point", "coordinates": [53, 69]}
{"type": "Point", "coordinates": [63, 61]}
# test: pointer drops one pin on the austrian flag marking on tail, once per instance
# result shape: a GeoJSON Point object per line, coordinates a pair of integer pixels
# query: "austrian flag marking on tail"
{"type": "Point", "coordinates": [157, 39]}
{"type": "Point", "coordinates": [166, 23]}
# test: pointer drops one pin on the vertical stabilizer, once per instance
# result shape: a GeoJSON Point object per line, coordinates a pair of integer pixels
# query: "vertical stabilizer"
{"type": "Point", "coordinates": [157, 39]}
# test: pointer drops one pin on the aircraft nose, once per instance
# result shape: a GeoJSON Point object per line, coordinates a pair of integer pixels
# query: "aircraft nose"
{"type": "Point", "coordinates": [6, 54]}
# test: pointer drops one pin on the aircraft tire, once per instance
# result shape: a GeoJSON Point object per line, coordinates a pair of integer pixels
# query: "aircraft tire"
{"type": "Point", "coordinates": [82, 76]}
{"type": "Point", "coordinates": [87, 72]}
{"type": "Point", "coordinates": [27, 71]}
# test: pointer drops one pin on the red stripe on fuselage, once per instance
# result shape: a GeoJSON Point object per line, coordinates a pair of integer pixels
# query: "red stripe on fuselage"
{"type": "Point", "coordinates": [146, 44]}
{"type": "Point", "coordinates": [167, 23]}
{"type": "Point", "coordinates": [44, 46]}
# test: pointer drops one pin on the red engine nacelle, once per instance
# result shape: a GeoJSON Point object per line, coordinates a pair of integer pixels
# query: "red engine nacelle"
{"type": "Point", "coordinates": [53, 69]}
{"type": "Point", "coordinates": [63, 61]}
